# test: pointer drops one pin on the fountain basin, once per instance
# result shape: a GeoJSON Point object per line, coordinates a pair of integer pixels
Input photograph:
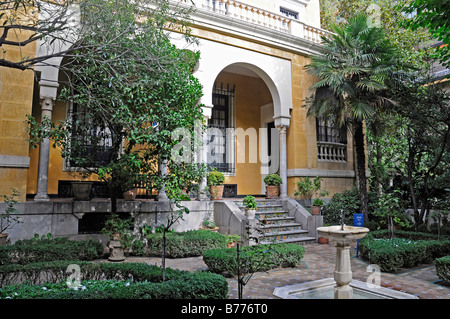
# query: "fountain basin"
{"type": "Point", "coordinates": [345, 235]}
{"type": "Point", "coordinates": [324, 289]}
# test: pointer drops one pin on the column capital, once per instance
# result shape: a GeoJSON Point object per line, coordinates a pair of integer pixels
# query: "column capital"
{"type": "Point", "coordinates": [47, 103]}
{"type": "Point", "coordinates": [282, 120]}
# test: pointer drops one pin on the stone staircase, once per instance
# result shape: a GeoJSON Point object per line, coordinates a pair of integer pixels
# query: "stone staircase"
{"type": "Point", "coordinates": [275, 225]}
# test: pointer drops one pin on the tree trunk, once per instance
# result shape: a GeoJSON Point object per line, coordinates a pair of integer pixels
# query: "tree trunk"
{"type": "Point", "coordinates": [361, 168]}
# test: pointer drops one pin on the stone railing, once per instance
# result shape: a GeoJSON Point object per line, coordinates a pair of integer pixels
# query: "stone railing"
{"type": "Point", "coordinates": [275, 21]}
{"type": "Point", "coordinates": [331, 152]}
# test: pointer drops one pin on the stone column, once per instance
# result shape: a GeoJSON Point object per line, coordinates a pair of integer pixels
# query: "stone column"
{"type": "Point", "coordinates": [203, 193]}
{"type": "Point", "coordinates": [44, 151]}
{"type": "Point", "coordinates": [283, 160]}
{"type": "Point", "coordinates": [162, 195]}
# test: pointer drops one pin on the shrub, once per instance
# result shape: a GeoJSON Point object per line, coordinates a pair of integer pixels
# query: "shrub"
{"type": "Point", "coordinates": [116, 281]}
{"type": "Point", "coordinates": [181, 244]}
{"type": "Point", "coordinates": [42, 250]}
{"type": "Point", "coordinates": [253, 258]}
{"type": "Point", "coordinates": [408, 249]}
{"type": "Point", "coordinates": [273, 180]}
{"type": "Point", "coordinates": [443, 268]}
{"type": "Point", "coordinates": [215, 178]}
{"type": "Point", "coordinates": [250, 202]}
{"type": "Point", "coordinates": [349, 202]}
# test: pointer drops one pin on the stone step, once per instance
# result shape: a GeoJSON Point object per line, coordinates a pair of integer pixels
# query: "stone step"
{"type": "Point", "coordinates": [281, 220]}
{"type": "Point", "coordinates": [297, 240]}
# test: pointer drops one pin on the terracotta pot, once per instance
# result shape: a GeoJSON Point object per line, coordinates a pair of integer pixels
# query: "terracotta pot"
{"type": "Point", "coordinates": [323, 240]}
{"type": "Point", "coordinates": [215, 229]}
{"type": "Point", "coordinates": [231, 245]}
{"type": "Point", "coordinates": [3, 238]}
{"type": "Point", "coordinates": [315, 210]}
{"type": "Point", "coordinates": [81, 190]}
{"type": "Point", "coordinates": [130, 194]}
{"type": "Point", "coordinates": [272, 191]}
{"type": "Point", "coordinates": [216, 192]}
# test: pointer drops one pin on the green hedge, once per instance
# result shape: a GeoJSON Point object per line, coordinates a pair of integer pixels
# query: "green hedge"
{"type": "Point", "coordinates": [253, 258]}
{"type": "Point", "coordinates": [111, 281]}
{"type": "Point", "coordinates": [180, 244]}
{"type": "Point", "coordinates": [443, 268]}
{"type": "Point", "coordinates": [408, 250]}
{"type": "Point", "coordinates": [42, 250]}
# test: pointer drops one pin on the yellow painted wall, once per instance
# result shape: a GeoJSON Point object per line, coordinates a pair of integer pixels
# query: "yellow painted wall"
{"type": "Point", "coordinates": [16, 94]}
{"type": "Point", "coordinates": [251, 93]}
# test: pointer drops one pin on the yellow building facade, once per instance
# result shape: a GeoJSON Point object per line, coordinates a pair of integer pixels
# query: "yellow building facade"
{"type": "Point", "coordinates": [253, 54]}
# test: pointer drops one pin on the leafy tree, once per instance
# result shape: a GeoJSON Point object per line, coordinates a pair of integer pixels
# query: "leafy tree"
{"type": "Point", "coordinates": [352, 76]}
{"type": "Point", "coordinates": [387, 15]}
{"type": "Point", "coordinates": [432, 15]}
{"type": "Point", "coordinates": [131, 93]}
{"type": "Point", "coordinates": [424, 128]}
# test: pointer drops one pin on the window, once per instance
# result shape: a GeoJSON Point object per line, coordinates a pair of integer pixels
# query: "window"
{"type": "Point", "coordinates": [90, 140]}
{"type": "Point", "coordinates": [289, 13]}
{"type": "Point", "coordinates": [331, 147]}
{"type": "Point", "coordinates": [221, 146]}
{"type": "Point", "coordinates": [326, 132]}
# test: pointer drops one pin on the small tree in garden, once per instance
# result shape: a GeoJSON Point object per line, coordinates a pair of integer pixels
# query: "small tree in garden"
{"type": "Point", "coordinates": [128, 96]}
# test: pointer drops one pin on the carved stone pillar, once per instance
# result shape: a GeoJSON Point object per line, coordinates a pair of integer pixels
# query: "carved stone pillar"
{"type": "Point", "coordinates": [203, 192]}
{"type": "Point", "coordinates": [47, 104]}
{"type": "Point", "coordinates": [283, 160]}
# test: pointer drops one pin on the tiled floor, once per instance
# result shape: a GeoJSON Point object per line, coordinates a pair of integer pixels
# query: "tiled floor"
{"type": "Point", "coordinates": [319, 263]}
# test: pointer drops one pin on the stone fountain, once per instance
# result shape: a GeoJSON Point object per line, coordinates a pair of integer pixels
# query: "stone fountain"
{"type": "Point", "coordinates": [343, 284]}
{"type": "Point", "coordinates": [343, 235]}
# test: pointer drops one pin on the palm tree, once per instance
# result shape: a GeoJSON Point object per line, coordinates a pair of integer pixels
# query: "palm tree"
{"type": "Point", "coordinates": [352, 75]}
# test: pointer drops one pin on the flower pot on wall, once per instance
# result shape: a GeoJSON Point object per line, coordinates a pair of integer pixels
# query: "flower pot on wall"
{"type": "Point", "coordinates": [130, 194]}
{"type": "Point", "coordinates": [316, 210]}
{"type": "Point", "coordinates": [216, 192]}
{"type": "Point", "coordinates": [250, 213]}
{"type": "Point", "coordinates": [3, 238]}
{"type": "Point", "coordinates": [272, 191]}
{"type": "Point", "coordinates": [81, 190]}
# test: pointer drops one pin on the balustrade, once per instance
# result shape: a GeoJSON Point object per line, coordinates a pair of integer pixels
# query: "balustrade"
{"type": "Point", "coordinates": [331, 152]}
{"type": "Point", "coordinates": [274, 21]}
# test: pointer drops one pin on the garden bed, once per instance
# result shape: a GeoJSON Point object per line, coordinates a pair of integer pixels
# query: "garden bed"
{"type": "Point", "coordinates": [253, 258]}
{"type": "Point", "coordinates": [108, 281]}
{"type": "Point", "coordinates": [180, 244]}
{"type": "Point", "coordinates": [443, 268]}
{"type": "Point", "coordinates": [42, 250]}
{"type": "Point", "coordinates": [406, 250]}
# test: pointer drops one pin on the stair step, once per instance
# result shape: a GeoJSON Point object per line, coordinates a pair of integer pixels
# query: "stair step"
{"type": "Point", "coordinates": [277, 220]}
{"type": "Point", "coordinates": [289, 240]}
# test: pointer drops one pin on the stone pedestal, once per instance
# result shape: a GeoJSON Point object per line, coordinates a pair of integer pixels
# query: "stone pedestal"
{"type": "Point", "coordinates": [343, 272]}
{"type": "Point", "coordinates": [115, 251]}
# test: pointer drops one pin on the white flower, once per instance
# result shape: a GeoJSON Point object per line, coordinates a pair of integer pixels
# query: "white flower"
{"type": "Point", "coordinates": [127, 284]}
{"type": "Point", "coordinates": [45, 288]}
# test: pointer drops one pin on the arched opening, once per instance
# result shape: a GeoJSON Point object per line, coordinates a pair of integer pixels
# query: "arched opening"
{"type": "Point", "coordinates": [241, 118]}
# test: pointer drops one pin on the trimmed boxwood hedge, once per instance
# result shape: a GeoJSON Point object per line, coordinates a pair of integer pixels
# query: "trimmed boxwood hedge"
{"type": "Point", "coordinates": [111, 281]}
{"type": "Point", "coordinates": [443, 268]}
{"type": "Point", "coordinates": [181, 244]}
{"type": "Point", "coordinates": [40, 250]}
{"type": "Point", "coordinates": [253, 258]}
{"type": "Point", "coordinates": [409, 250]}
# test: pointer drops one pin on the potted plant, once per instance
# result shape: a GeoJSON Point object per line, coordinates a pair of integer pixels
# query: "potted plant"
{"type": "Point", "coordinates": [117, 229]}
{"type": "Point", "coordinates": [250, 206]}
{"type": "Point", "coordinates": [209, 225]}
{"type": "Point", "coordinates": [215, 181]}
{"type": "Point", "coordinates": [317, 206]}
{"type": "Point", "coordinates": [273, 182]}
{"type": "Point", "coordinates": [81, 189]}
{"type": "Point", "coordinates": [8, 218]}
{"type": "Point", "coordinates": [232, 240]}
